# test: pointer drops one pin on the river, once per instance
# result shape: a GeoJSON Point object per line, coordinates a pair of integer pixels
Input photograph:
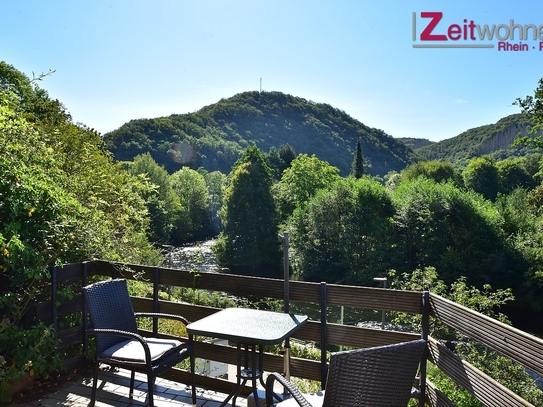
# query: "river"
{"type": "Point", "coordinates": [196, 256]}
{"type": "Point", "coordinates": [199, 256]}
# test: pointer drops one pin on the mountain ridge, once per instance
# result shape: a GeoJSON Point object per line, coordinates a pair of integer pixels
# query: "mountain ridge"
{"type": "Point", "coordinates": [214, 136]}
{"type": "Point", "coordinates": [490, 139]}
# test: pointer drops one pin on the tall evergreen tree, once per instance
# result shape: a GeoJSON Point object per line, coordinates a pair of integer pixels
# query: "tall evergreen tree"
{"type": "Point", "coordinates": [287, 154]}
{"type": "Point", "coordinates": [248, 242]}
{"type": "Point", "coordinates": [357, 168]}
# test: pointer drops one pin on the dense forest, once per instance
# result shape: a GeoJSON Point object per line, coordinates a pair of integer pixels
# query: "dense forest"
{"type": "Point", "coordinates": [357, 203]}
{"type": "Point", "coordinates": [415, 143]}
{"type": "Point", "coordinates": [492, 139]}
{"type": "Point", "coordinates": [215, 136]}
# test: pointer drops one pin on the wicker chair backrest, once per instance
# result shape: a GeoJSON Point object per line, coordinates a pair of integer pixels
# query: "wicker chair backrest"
{"type": "Point", "coordinates": [109, 306]}
{"type": "Point", "coordinates": [382, 376]}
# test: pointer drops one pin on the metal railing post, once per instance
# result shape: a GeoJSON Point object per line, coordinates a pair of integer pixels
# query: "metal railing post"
{"type": "Point", "coordinates": [286, 300]}
{"type": "Point", "coordinates": [425, 335]}
{"type": "Point", "coordinates": [84, 282]}
{"type": "Point", "coordinates": [155, 300]}
{"type": "Point", "coordinates": [324, 343]}
{"type": "Point", "coordinates": [54, 289]}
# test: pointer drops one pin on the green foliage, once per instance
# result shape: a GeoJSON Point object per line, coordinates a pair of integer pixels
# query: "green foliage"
{"type": "Point", "coordinates": [455, 231]}
{"type": "Point", "coordinates": [486, 301]}
{"type": "Point", "coordinates": [29, 351]}
{"type": "Point", "coordinates": [415, 143]}
{"type": "Point", "coordinates": [279, 160]}
{"type": "Point", "coordinates": [357, 167]}
{"type": "Point", "coordinates": [301, 181]}
{"type": "Point", "coordinates": [286, 154]}
{"type": "Point", "coordinates": [481, 176]}
{"type": "Point", "coordinates": [437, 170]}
{"type": "Point", "coordinates": [523, 226]}
{"type": "Point", "coordinates": [512, 174]}
{"type": "Point", "coordinates": [493, 139]}
{"type": "Point", "coordinates": [343, 234]}
{"type": "Point", "coordinates": [61, 200]}
{"type": "Point", "coordinates": [532, 106]}
{"type": "Point", "coordinates": [195, 220]}
{"type": "Point", "coordinates": [248, 241]}
{"type": "Point", "coordinates": [38, 226]}
{"type": "Point", "coordinates": [163, 204]}
{"type": "Point", "coordinates": [274, 162]}
{"type": "Point", "coordinates": [215, 182]}
{"type": "Point", "coordinates": [215, 136]}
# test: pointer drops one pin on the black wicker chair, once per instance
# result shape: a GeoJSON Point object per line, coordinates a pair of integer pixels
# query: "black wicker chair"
{"type": "Point", "coordinates": [382, 376]}
{"type": "Point", "coordinates": [119, 344]}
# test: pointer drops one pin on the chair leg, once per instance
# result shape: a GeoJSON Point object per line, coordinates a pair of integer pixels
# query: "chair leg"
{"type": "Point", "coordinates": [193, 379]}
{"type": "Point", "coordinates": [94, 384]}
{"type": "Point", "coordinates": [150, 389]}
{"type": "Point", "coordinates": [132, 376]}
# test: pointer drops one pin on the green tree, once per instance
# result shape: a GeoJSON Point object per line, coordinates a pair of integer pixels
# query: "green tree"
{"type": "Point", "coordinates": [357, 168]}
{"type": "Point", "coordinates": [195, 220]}
{"type": "Point", "coordinates": [457, 232]}
{"type": "Point", "coordinates": [286, 154]}
{"type": "Point", "coordinates": [521, 223]}
{"type": "Point", "coordinates": [481, 176]}
{"type": "Point", "coordinates": [61, 200]}
{"type": "Point", "coordinates": [343, 234]}
{"type": "Point", "coordinates": [279, 160]}
{"type": "Point", "coordinates": [163, 203]}
{"type": "Point", "coordinates": [248, 242]}
{"type": "Point", "coordinates": [439, 171]}
{"type": "Point", "coordinates": [34, 103]}
{"type": "Point", "coordinates": [533, 107]}
{"type": "Point", "coordinates": [274, 161]}
{"type": "Point", "coordinates": [512, 175]}
{"type": "Point", "coordinates": [215, 182]}
{"type": "Point", "coordinates": [485, 300]}
{"type": "Point", "coordinates": [301, 181]}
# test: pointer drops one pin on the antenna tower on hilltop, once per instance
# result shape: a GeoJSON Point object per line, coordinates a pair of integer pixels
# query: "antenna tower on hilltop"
{"type": "Point", "coordinates": [261, 85]}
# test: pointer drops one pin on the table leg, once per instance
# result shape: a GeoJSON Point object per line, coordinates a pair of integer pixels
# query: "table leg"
{"type": "Point", "coordinates": [239, 385]}
{"type": "Point", "coordinates": [254, 374]}
{"type": "Point", "coordinates": [261, 364]}
{"type": "Point", "coordinates": [244, 374]}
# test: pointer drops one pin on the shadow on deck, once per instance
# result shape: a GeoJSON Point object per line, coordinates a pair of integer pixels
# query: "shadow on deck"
{"type": "Point", "coordinates": [113, 392]}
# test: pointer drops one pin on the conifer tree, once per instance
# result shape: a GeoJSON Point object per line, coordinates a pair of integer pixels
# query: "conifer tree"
{"type": "Point", "coordinates": [357, 168]}
{"type": "Point", "coordinates": [248, 242]}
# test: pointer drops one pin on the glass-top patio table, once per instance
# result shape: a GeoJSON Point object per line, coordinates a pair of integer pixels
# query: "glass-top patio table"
{"type": "Point", "coordinates": [249, 328]}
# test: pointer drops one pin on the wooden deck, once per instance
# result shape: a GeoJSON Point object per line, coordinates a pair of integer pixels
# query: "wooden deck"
{"type": "Point", "coordinates": [113, 392]}
{"type": "Point", "coordinates": [519, 346]}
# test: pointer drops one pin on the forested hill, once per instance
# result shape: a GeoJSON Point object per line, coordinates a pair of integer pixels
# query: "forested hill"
{"type": "Point", "coordinates": [214, 136]}
{"type": "Point", "coordinates": [494, 139]}
{"type": "Point", "coordinates": [415, 143]}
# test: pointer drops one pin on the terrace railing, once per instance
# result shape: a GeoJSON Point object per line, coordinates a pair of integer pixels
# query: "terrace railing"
{"type": "Point", "coordinates": [513, 343]}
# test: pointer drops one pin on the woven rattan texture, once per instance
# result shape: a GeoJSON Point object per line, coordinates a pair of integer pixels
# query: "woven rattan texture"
{"type": "Point", "coordinates": [110, 308]}
{"type": "Point", "coordinates": [380, 376]}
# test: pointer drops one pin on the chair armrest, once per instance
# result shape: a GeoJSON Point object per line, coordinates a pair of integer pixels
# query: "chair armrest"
{"type": "Point", "coordinates": [117, 332]}
{"type": "Point", "coordinates": [293, 390]}
{"type": "Point", "coordinates": [161, 315]}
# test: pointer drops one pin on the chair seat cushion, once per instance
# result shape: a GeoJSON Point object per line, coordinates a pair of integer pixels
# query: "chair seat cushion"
{"type": "Point", "coordinates": [132, 350]}
{"type": "Point", "coordinates": [315, 399]}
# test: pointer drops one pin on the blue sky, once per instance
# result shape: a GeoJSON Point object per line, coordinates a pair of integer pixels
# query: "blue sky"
{"type": "Point", "coordinates": [127, 59]}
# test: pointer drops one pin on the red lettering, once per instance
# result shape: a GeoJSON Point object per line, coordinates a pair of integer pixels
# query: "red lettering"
{"type": "Point", "coordinates": [454, 32]}
{"type": "Point", "coordinates": [471, 30]}
{"type": "Point", "coordinates": [541, 46]}
{"type": "Point", "coordinates": [426, 34]}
